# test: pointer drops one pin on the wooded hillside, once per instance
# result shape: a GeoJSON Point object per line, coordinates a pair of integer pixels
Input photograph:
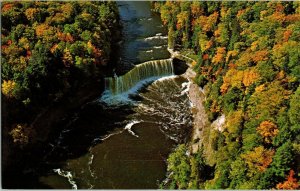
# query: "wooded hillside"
{"type": "Point", "coordinates": [248, 61]}
{"type": "Point", "coordinates": [49, 51]}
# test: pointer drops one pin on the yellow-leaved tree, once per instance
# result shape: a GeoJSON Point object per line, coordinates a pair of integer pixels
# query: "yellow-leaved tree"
{"type": "Point", "coordinates": [267, 130]}
{"type": "Point", "coordinates": [257, 160]}
{"type": "Point", "coordinates": [8, 87]}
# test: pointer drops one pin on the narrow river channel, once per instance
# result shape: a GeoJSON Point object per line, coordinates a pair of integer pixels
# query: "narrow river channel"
{"type": "Point", "coordinates": [122, 140]}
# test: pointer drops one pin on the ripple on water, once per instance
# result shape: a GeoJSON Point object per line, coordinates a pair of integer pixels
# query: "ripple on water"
{"type": "Point", "coordinates": [139, 148]}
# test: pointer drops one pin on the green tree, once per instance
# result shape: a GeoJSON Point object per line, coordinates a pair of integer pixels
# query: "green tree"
{"type": "Point", "coordinates": [178, 164]}
{"type": "Point", "coordinates": [294, 111]}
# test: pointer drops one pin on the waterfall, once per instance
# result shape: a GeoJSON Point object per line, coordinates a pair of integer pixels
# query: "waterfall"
{"type": "Point", "coordinates": [147, 70]}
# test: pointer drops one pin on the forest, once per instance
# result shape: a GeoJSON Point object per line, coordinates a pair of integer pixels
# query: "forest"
{"type": "Point", "coordinates": [49, 51]}
{"type": "Point", "coordinates": [247, 59]}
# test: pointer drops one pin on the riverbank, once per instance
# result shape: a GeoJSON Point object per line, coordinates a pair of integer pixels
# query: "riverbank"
{"type": "Point", "coordinates": [58, 111]}
{"type": "Point", "coordinates": [48, 122]}
{"type": "Point", "coordinates": [197, 97]}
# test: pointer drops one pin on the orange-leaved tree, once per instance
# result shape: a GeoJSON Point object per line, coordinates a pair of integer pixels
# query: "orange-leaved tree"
{"type": "Point", "coordinates": [291, 182]}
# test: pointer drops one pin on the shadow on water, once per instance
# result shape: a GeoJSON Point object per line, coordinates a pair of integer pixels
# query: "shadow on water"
{"type": "Point", "coordinates": [131, 159]}
{"type": "Point", "coordinates": [81, 130]}
{"type": "Point", "coordinates": [123, 160]}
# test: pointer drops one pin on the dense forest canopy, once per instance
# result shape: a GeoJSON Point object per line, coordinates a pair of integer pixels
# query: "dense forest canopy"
{"type": "Point", "coordinates": [248, 61]}
{"type": "Point", "coordinates": [49, 50]}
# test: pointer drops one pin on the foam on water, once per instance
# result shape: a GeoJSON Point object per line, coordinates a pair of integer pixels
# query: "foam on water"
{"type": "Point", "coordinates": [109, 135]}
{"type": "Point", "coordinates": [68, 175]}
{"type": "Point", "coordinates": [89, 164]}
{"type": "Point", "coordinates": [129, 125]}
{"type": "Point", "coordinates": [164, 104]}
{"type": "Point", "coordinates": [156, 37]}
{"type": "Point", "coordinates": [159, 47]}
{"type": "Point", "coordinates": [185, 90]}
{"type": "Point", "coordinates": [186, 87]}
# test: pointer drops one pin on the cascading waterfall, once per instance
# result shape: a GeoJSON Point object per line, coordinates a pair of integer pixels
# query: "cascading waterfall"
{"type": "Point", "coordinates": [130, 133]}
{"type": "Point", "coordinates": [148, 70]}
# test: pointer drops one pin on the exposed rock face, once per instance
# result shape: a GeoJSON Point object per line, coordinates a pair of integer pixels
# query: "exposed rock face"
{"type": "Point", "coordinates": [196, 96]}
{"type": "Point", "coordinates": [218, 124]}
{"type": "Point", "coordinates": [199, 115]}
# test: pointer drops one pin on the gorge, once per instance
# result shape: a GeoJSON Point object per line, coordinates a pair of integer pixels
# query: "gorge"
{"type": "Point", "coordinates": [147, 95]}
{"type": "Point", "coordinates": [121, 140]}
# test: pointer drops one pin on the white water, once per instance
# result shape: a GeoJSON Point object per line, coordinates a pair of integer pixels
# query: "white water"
{"type": "Point", "coordinates": [68, 175]}
{"type": "Point", "coordinates": [165, 100]}
{"type": "Point", "coordinates": [118, 89]}
{"type": "Point", "coordinates": [159, 47]}
{"type": "Point", "coordinates": [155, 68]}
{"type": "Point", "coordinates": [156, 37]}
{"type": "Point", "coordinates": [124, 98]}
{"type": "Point", "coordinates": [129, 125]}
{"type": "Point", "coordinates": [109, 135]}
{"type": "Point", "coordinates": [186, 88]}
{"type": "Point", "coordinates": [165, 104]}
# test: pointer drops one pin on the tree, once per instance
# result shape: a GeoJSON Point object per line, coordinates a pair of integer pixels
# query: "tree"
{"type": "Point", "coordinates": [250, 76]}
{"type": "Point", "coordinates": [250, 70]}
{"type": "Point", "coordinates": [291, 183]}
{"type": "Point", "coordinates": [269, 101]}
{"type": "Point", "coordinates": [268, 130]}
{"type": "Point", "coordinates": [86, 35]}
{"type": "Point", "coordinates": [171, 38]}
{"type": "Point", "coordinates": [294, 111]}
{"type": "Point", "coordinates": [283, 159]}
{"type": "Point", "coordinates": [222, 34]}
{"type": "Point", "coordinates": [67, 58]}
{"type": "Point", "coordinates": [8, 87]}
{"type": "Point", "coordinates": [235, 33]}
{"type": "Point", "coordinates": [21, 134]}
{"type": "Point", "coordinates": [238, 171]}
{"type": "Point", "coordinates": [178, 164]}
{"type": "Point", "coordinates": [257, 160]}
{"type": "Point", "coordinates": [33, 15]}
{"type": "Point", "coordinates": [220, 55]}
{"type": "Point", "coordinates": [231, 99]}
{"type": "Point", "coordinates": [233, 78]}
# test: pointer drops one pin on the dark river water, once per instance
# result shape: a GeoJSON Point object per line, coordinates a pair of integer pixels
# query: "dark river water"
{"type": "Point", "coordinates": [124, 145]}
{"type": "Point", "coordinates": [145, 38]}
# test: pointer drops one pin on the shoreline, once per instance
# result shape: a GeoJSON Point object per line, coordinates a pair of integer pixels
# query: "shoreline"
{"type": "Point", "coordinates": [196, 97]}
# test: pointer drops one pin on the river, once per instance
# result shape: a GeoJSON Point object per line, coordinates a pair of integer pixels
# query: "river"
{"type": "Point", "coordinates": [122, 140]}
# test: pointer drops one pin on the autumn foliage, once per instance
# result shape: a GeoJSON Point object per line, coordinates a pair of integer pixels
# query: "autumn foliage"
{"type": "Point", "coordinates": [49, 51]}
{"type": "Point", "coordinates": [291, 182]}
{"type": "Point", "coordinates": [258, 159]}
{"type": "Point", "coordinates": [8, 88]}
{"type": "Point", "coordinates": [267, 130]}
{"type": "Point", "coordinates": [248, 65]}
